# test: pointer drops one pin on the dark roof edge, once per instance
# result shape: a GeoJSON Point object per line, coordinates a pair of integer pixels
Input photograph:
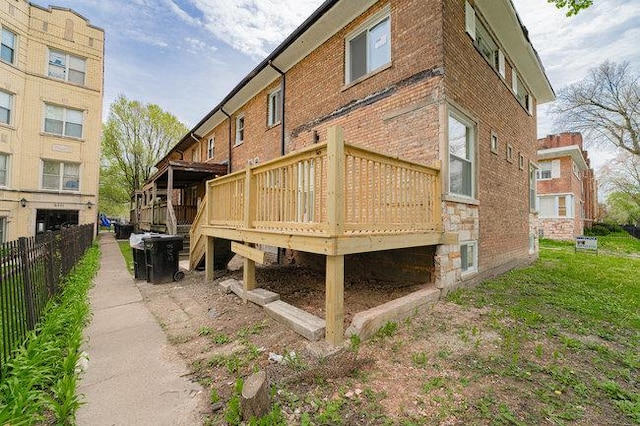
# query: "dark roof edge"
{"type": "Point", "coordinates": [319, 12]}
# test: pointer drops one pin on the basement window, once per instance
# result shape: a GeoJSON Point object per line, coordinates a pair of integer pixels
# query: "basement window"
{"type": "Point", "coordinates": [469, 257]}
{"type": "Point", "coordinates": [369, 48]}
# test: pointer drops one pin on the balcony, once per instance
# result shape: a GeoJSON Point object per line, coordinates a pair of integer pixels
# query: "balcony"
{"type": "Point", "coordinates": [332, 199]}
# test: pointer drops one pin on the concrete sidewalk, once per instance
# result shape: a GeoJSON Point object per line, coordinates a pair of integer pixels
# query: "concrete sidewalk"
{"type": "Point", "coordinates": [134, 377]}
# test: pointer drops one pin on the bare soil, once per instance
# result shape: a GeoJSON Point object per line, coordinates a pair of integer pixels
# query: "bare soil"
{"type": "Point", "coordinates": [448, 365]}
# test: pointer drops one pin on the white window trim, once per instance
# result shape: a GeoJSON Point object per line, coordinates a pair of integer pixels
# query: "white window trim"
{"type": "Point", "coordinates": [239, 141]}
{"type": "Point", "coordinates": [474, 268]}
{"type": "Point", "coordinates": [64, 121]}
{"type": "Point", "coordinates": [569, 205]}
{"type": "Point", "coordinates": [61, 176]}
{"type": "Point", "coordinates": [509, 153]}
{"type": "Point", "coordinates": [464, 119]}
{"type": "Point", "coordinates": [271, 122]}
{"type": "Point", "coordinates": [15, 48]}
{"type": "Point", "coordinates": [494, 136]}
{"type": "Point", "coordinates": [211, 145]}
{"type": "Point", "coordinates": [541, 168]}
{"type": "Point", "coordinates": [7, 182]}
{"type": "Point", "coordinates": [521, 161]}
{"type": "Point", "coordinates": [12, 103]}
{"type": "Point", "coordinates": [67, 66]}
{"type": "Point", "coordinates": [374, 20]}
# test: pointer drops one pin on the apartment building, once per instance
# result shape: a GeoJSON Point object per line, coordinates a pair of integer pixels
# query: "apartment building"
{"type": "Point", "coordinates": [567, 191]}
{"type": "Point", "coordinates": [393, 136]}
{"type": "Point", "coordinates": [51, 89]}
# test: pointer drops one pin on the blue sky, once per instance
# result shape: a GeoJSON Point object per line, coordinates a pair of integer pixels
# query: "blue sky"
{"type": "Point", "coordinates": [185, 55]}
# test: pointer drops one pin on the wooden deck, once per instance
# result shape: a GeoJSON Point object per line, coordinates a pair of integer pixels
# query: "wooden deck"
{"type": "Point", "coordinates": [331, 198]}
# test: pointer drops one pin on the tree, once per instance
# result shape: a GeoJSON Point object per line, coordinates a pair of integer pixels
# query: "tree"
{"type": "Point", "coordinates": [605, 106]}
{"type": "Point", "coordinates": [621, 178]}
{"type": "Point", "coordinates": [134, 138]}
{"type": "Point", "coordinates": [573, 6]}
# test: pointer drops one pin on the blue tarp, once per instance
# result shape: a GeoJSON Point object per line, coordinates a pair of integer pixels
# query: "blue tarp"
{"type": "Point", "coordinates": [104, 221]}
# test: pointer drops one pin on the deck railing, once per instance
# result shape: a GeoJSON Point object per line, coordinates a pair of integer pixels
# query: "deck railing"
{"type": "Point", "coordinates": [330, 189]}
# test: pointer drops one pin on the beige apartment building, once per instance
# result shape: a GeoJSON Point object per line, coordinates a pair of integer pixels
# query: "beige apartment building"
{"type": "Point", "coordinates": [51, 88]}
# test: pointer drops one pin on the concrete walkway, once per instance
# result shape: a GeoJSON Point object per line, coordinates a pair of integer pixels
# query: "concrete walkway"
{"type": "Point", "coordinates": [133, 377]}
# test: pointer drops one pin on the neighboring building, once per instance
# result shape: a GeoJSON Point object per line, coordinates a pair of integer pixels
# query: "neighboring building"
{"type": "Point", "coordinates": [51, 70]}
{"type": "Point", "coordinates": [450, 84]}
{"type": "Point", "coordinates": [566, 188]}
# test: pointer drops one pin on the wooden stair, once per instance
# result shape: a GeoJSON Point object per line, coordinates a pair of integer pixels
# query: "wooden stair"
{"type": "Point", "coordinates": [197, 244]}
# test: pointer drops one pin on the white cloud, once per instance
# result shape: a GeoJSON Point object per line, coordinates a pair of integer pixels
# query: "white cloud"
{"type": "Point", "coordinates": [254, 26]}
{"type": "Point", "coordinates": [183, 15]}
{"type": "Point", "coordinates": [198, 46]}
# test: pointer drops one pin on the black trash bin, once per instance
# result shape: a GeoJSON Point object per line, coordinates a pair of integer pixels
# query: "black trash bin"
{"type": "Point", "coordinates": [116, 230]}
{"type": "Point", "coordinates": [125, 232]}
{"type": "Point", "coordinates": [139, 262]}
{"type": "Point", "coordinates": [162, 255]}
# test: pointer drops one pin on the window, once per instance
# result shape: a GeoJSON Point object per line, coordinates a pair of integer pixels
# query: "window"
{"type": "Point", "coordinates": [275, 107]}
{"type": "Point", "coordinates": [576, 169]}
{"type": "Point", "coordinates": [521, 92]}
{"type": "Point", "coordinates": [6, 101]}
{"type": "Point", "coordinates": [532, 187]}
{"type": "Point", "coordinates": [509, 153]}
{"type": "Point", "coordinates": [60, 176]}
{"type": "Point", "coordinates": [555, 206]}
{"type": "Point", "coordinates": [8, 46]}
{"type": "Point", "coordinates": [3, 229]}
{"type": "Point", "coordinates": [211, 145]}
{"type": "Point", "coordinates": [239, 129]}
{"type": "Point", "coordinates": [4, 169]}
{"type": "Point", "coordinates": [469, 257]}
{"type": "Point", "coordinates": [369, 48]}
{"type": "Point", "coordinates": [483, 41]}
{"type": "Point", "coordinates": [521, 162]}
{"type": "Point", "coordinates": [494, 143]}
{"type": "Point", "coordinates": [461, 157]}
{"type": "Point", "coordinates": [64, 66]}
{"type": "Point", "coordinates": [63, 121]}
{"type": "Point", "coordinates": [545, 170]}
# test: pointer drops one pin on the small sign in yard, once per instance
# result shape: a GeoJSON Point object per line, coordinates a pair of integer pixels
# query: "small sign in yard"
{"type": "Point", "coordinates": [587, 243]}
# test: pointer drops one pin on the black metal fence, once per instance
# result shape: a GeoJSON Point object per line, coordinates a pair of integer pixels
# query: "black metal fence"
{"type": "Point", "coordinates": [634, 231]}
{"type": "Point", "coordinates": [31, 272]}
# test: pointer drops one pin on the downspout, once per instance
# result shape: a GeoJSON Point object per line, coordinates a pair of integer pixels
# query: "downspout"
{"type": "Point", "coordinates": [283, 77]}
{"type": "Point", "coordinates": [230, 147]}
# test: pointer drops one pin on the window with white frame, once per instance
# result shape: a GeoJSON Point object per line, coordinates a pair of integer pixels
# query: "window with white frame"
{"type": "Point", "coordinates": [58, 175]}
{"type": "Point", "coordinates": [483, 40]}
{"type": "Point", "coordinates": [469, 257]}
{"type": "Point", "coordinates": [8, 46]}
{"type": "Point", "coordinates": [63, 121]}
{"type": "Point", "coordinates": [556, 206]}
{"type": "Point", "coordinates": [275, 107]}
{"type": "Point", "coordinates": [3, 229]}
{"type": "Point", "coordinates": [239, 129]}
{"type": "Point", "coordinates": [509, 153]}
{"type": "Point", "coordinates": [532, 187]}
{"type": "Point", "coordinates": [6, 104]}
{"type": "Point", "coordinates": [544, 170]}
{"type": "Point", "coordinates": [521, 161]}
{"type": "Point", "coordinates": [494, 143]}
{"type": "Point", "coordinates": [211, 146]}
{"type": "Point", "coordinates": [461, 156]}
{"type": "Point", "coordinates": [522, 94]}
{"type": "Point", "coordinates": [4, 169]}
{"type": "Point", "coordinates": [369, 48]}
{"type": "Point", "coordinates": [64, 66]}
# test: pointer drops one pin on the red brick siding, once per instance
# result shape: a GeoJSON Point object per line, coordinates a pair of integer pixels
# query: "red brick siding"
{"type": "Point", "coordinates": [502, 187]}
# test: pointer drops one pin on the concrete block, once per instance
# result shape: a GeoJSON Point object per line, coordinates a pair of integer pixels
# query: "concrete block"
{"type": "Point", "coordinates": [303, 323]}
{"type": "Point", "coordinates": [366, 323]}
{"type": "Point", "coordinates": [226, 285]}
{"type": "Point", "coordinates": [259, 296]}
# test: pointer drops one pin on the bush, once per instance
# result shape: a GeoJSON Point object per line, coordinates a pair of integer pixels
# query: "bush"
{"type": "Point", "coordinates": [598, 230]}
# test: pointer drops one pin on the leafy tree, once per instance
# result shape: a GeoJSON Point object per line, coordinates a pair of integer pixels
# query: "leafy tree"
{"type": "Point", "coordinates": [605, 105]}
{"type": "Point", "coordinates": [134, 138]}
{"type": "Point", "coordinates": [621, 177]}
{"type": "Point", "coordinates": [573, 6]}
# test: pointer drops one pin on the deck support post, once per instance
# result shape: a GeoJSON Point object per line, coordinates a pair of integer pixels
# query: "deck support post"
{"type": "Point", "coordinates": [250, 197]}
{"type": "Point", "coordinates": [248, 277]}
{"type": "Point", "coordinates": [334, 300]}
{"type": "Point", "coordinates": [209, 258]}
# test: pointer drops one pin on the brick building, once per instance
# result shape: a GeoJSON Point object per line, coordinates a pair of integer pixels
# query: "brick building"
{"type": "Point", "coordinates": [567, 197]}
{"type": "Point", "coordinates": [51, 72]}
{"type": "Point", "coordinates": [449, 84]}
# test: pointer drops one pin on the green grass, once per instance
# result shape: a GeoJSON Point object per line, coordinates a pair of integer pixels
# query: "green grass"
{"type": "Point", "coordinates": [569, 327]}
{"type": "Point", "coordinates": [125, 248]}
{"type": "Point", "coordinates": [40, 381]}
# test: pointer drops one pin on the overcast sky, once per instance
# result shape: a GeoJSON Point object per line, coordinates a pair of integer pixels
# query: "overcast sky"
{"type": "Point", "coordinates": [185, 55]}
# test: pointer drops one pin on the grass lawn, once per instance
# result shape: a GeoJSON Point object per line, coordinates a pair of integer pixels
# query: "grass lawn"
{"type": "Point", "coordinates": [125, 248]}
